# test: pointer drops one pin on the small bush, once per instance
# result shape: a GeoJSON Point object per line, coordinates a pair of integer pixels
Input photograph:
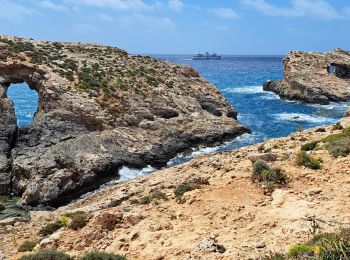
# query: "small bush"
{"type": "Point", "coordinates": [308, 161]}
{"type": "Point", "coordinates": [309, 146]}
{"type": "Point", "coordinates": [50, 228]}
{"type": "Point", "coordinates": [335, 137]}
{"type": "Point", "coordinates": [27, 246]}
{"type": "Point", "coordinates": [102, 256]}
{"type": "Point", "coordinates": [262, 172]}
{"type": "Point", "coordinates": [79, 220]}
{"type": "Point", "coordinates": [47, 255]}
{"type": "Point", "coordinates": [157, 195]}
{"type": "Point", "coordinates": [183, 188]}
{"type": "Point", "coordinates": [339, 148]}
{"type": "Point", "coordinates": [301, 251]}
{"type": "Point", "coordinates": [332, 245]}
{"type": "Point", "coordinates": [259, 167]}
{"type": "Point", "coordinates": [109, 221]}
{"type": "Point", "coordinates": [118, 202]}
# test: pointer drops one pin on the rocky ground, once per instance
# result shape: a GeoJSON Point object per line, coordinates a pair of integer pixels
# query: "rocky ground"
{"type": "Point", "coordinates": [224, 216]}
{"type": "Point", "coordinates": [314, 77]}
{"type": "Point", "coordinates": [99, 109]}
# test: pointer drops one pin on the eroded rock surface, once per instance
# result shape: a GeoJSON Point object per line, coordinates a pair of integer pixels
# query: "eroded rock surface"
{"type": "Point", "coordinates": [314, 77]}
{"type": "Point", "coordinates": [99, 109]}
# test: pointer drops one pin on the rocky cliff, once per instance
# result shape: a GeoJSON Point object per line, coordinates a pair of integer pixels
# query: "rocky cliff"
{"type": "Point", "coordinates": [314, 77]}
{"type": "Point", "coordinates": [99, 109]}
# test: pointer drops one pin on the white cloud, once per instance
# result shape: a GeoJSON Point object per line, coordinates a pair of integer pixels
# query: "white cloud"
{"type": "Point", "coordinates": [51, 5]}
{"type": "Point", "coordinates": [176, 5]}
{"type": "Point", "coordinates": [320, 9]}
{"type": "Point", "coordinates": [225, 13]}
{"type": "Point", "coordinates": [13, 11]}
{"type": "Point", "coordinates": [123, 5]}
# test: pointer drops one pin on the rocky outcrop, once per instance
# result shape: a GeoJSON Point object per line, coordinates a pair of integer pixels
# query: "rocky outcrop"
{"type": "Point", "coordinates": [314, 77]}
{"type": "Point", "coordinates": [99, 109]}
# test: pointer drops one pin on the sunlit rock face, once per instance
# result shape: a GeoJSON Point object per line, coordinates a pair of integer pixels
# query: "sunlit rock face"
{"type": "Point", "coordinates": [99, 109]}
{"type": "Point", "coordinates": [314, 77]}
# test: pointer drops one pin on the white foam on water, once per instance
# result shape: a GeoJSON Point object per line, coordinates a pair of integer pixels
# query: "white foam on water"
{"type": "Point", "coordinates": [298, 117]}
{"type": "Point", "coordinates": [332, 106]}
{"type": "Point", "coordinates": [245, 90]}
{"type": "Point", "coordinates": [126, 173]}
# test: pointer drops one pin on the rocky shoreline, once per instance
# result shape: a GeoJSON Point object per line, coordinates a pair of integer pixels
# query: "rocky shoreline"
{"type": "Point", "coordinates": [314, 77]}
{"type": "Point", "coordinates": [99, 109]}
{"type": "Point", "coordinates": [225, 215]}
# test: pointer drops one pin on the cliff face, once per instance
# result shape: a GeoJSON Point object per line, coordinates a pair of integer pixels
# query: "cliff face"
{"type": "Point", "coordinates": [314, 77]}
{"type": "Point", "coordinates": [99, 109]}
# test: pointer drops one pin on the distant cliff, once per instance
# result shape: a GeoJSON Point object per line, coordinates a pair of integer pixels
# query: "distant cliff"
{"type": "Point", "coordinates": [314, 77]}
{"type": "Point", "coordinates": [99, 109]}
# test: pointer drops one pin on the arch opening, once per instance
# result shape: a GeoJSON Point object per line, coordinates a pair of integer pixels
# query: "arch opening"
{"type": "Point", "coordinates": [25, 100]}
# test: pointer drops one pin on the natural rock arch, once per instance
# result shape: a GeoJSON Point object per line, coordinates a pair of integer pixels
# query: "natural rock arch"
{"type": "Point", "coordinates": [99, 109]}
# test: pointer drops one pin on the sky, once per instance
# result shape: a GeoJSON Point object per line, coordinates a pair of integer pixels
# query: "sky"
{"type": "Point", "coordinates": [183, 26]}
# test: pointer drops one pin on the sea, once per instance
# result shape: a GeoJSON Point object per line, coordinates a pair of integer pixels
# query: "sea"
{"type": "Point", "coordinates": [240, 80]}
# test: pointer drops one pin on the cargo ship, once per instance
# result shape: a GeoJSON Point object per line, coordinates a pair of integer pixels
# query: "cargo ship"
{"type": "Point", "coordinates": [206, 56]}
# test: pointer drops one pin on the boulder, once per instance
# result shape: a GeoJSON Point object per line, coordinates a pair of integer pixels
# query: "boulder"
{"type": "Point", "coordinates": [268, 157]}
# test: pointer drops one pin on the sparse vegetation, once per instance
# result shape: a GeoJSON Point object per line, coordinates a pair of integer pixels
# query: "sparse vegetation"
{"type": "Point", "coordinates": [78, 220]}
{"type": "Point", "coordinates": [118, 202]}
{"type": "Point", "coordinates": [27, 246]}
{"type": "Point", "coordinates": [309, 146]}
{"type": "Point", "coordinates": [262, 172]}
{"type": "Point", "coordinates": [189, 186]}
{"type": "Point", "coordinates": [338, 144]}
{"type": "Point", "coordinates": [303, 159]}
{"type": "Point", "coordinates": [47, 255]}
{"type": "Point", "coordinates": [155, 196]}
{"type": "Point", "coordinates": [50, 228]}
{"type": "Point", "coordinates": [102, 256]}
{"type": "Point", "coordinates": [109, 221]}
{"type": "Point", "coordinates": [326, 246]}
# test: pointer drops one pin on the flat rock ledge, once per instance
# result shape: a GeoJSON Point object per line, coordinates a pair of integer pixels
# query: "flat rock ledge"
{"type": "Point", "coordinates": [314, 77]}
{"type": "Point", "coordinates": [99, 109]}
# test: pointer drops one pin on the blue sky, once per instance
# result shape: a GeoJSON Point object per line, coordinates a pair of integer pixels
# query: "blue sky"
{"type": "Point", "coordinates": [183, 26]}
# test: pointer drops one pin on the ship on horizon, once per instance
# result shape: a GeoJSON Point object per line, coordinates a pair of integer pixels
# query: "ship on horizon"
{"type": "Point", "coordinates": [206, 56]}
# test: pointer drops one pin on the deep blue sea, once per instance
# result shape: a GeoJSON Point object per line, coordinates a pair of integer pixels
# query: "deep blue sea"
{"type": "Point", "coordinates": [240, 80]}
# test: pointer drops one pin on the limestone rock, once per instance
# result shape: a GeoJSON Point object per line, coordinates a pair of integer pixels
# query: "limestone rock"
{"type": "Point", "coordinates": [314, 77]}
{"type": "Point", "coordinates": [268, 157]}
{"type": "Point", "coordinates": [99, 109]}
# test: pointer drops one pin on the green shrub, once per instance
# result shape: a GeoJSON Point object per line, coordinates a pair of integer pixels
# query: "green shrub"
{"type": "Point", "coordinates": [259, 167]}
{"type": "Point", "coordinates": [157, 195]}
{"type": "Point", "coordinates": [309, 146]}
{"type": "Point", "coordinates": [262, 172]}
{"type": "Point", "coordinates": [183, 188]}
{"type": "Point", "coordinates": [118, 202]}
{"type": "Point", "coordinates": [308, 161]}
{"type": "Point", "coordinates": [339, 148]}
{"type": "Point", "coordinates": [50, 228]}
{"type": "Point", "coordinates": [79, 220]}
{"type": "Point", "coordinates": [301, 251]}
{"type": "Point", "coordinates": [335, 137]}
{"type": "Point", "coordinates": [102, 256]}
{"type": "Point", "coordinates": [47, 255]}
{"type": "Point", "coordinates": [332, 245]}
{"type": "Point", "coordinates": [27, 246]}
